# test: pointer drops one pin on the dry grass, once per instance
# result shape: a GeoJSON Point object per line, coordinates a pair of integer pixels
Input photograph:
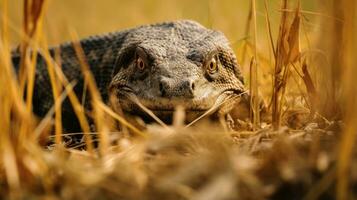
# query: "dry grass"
{"type": "Point", "coordinates": [301, 147]}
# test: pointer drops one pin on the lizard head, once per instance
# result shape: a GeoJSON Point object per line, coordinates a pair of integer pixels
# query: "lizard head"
{"type": "Point", "coordinates": [165, 65]}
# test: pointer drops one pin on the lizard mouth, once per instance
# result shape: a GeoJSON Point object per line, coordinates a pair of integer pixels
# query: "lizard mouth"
{"type": "Point", "coordinates": [194, 109]}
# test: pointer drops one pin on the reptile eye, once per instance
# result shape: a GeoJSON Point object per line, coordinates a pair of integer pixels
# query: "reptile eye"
{"type": "Point", "coordinates": [140, 63]}
{"type": "Point", "coordinates": [212, 66]}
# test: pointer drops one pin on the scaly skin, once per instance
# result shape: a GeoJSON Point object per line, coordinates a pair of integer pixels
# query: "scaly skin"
{"type": "Point", "coordinates": [160, 65]}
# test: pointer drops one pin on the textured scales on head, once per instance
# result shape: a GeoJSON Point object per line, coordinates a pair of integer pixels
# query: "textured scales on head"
{"type": "Point", "coordinates": [175, 63]}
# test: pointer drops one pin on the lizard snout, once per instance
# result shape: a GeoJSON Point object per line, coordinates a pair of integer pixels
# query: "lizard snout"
{"type": "Point", "coordinates": [183, 88]}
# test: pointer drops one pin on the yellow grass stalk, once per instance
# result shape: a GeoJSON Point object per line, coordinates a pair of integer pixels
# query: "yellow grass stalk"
{"type": "Point", "coordinates": [7, 152]}
{"type": "Point", "coordinates": [56, 90]}
{"type": "Point", "coordinates": [96, 99]}
{"type": "Point", "coordinates": [121, 120]}
{"type": "Point", "coordinates": [246, 33]}
{"type": "Point", "coordinates": [287, 52]}
{"type": "Point", "coordinates": [349, 62]}
{"type": "Point", "coordinates": [278, 68]}
{"type": "Point", "coordinates": [77, 107]}
{"type": "Point", "coordinates": [15, 114]}
{"type": "Point", "coordinates": [267, 20]}
{"type": "Point", "coordinates": [254, 101]}
{"type": "Point", "coordinates": [33, 17]}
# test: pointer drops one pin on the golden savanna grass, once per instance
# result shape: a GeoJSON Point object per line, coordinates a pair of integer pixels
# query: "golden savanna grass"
{"type": "Point", "coordinates": [298, 56]}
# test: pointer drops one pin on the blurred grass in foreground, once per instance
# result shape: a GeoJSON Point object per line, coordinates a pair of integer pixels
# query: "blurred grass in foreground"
{"type": "Point", "coordinates": [308, 154]}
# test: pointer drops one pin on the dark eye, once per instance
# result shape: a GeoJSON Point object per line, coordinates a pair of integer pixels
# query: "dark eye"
{"type": "Point", "coordinates": [140, 63]}
{"type": "Point", "coordinates": [212, 66]}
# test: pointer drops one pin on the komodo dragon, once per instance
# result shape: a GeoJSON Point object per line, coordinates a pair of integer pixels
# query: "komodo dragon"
{"type": "Point", "coordinates": [161, 65]}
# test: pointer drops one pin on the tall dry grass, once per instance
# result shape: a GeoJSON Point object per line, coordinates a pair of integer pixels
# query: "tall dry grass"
{"type": "Point", "coordinates": [344, 49]}
{"type": "Point", "coordinates": [17, 139]}
{"type": "Point", "coordinates": [304, 150]}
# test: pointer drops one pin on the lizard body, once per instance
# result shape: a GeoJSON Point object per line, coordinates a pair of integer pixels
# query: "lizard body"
{"type": "Point", "coordinates": [161, 65]}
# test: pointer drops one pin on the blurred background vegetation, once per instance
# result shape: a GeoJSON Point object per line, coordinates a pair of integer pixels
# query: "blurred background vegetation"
{"type": "Point", "coordinates": [100, 16]}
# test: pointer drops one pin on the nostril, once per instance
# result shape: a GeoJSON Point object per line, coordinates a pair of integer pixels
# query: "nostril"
{"type": "Point", "coordinates": [192, 86]}
{"type": "Point", "coordinates": [189, 88]}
